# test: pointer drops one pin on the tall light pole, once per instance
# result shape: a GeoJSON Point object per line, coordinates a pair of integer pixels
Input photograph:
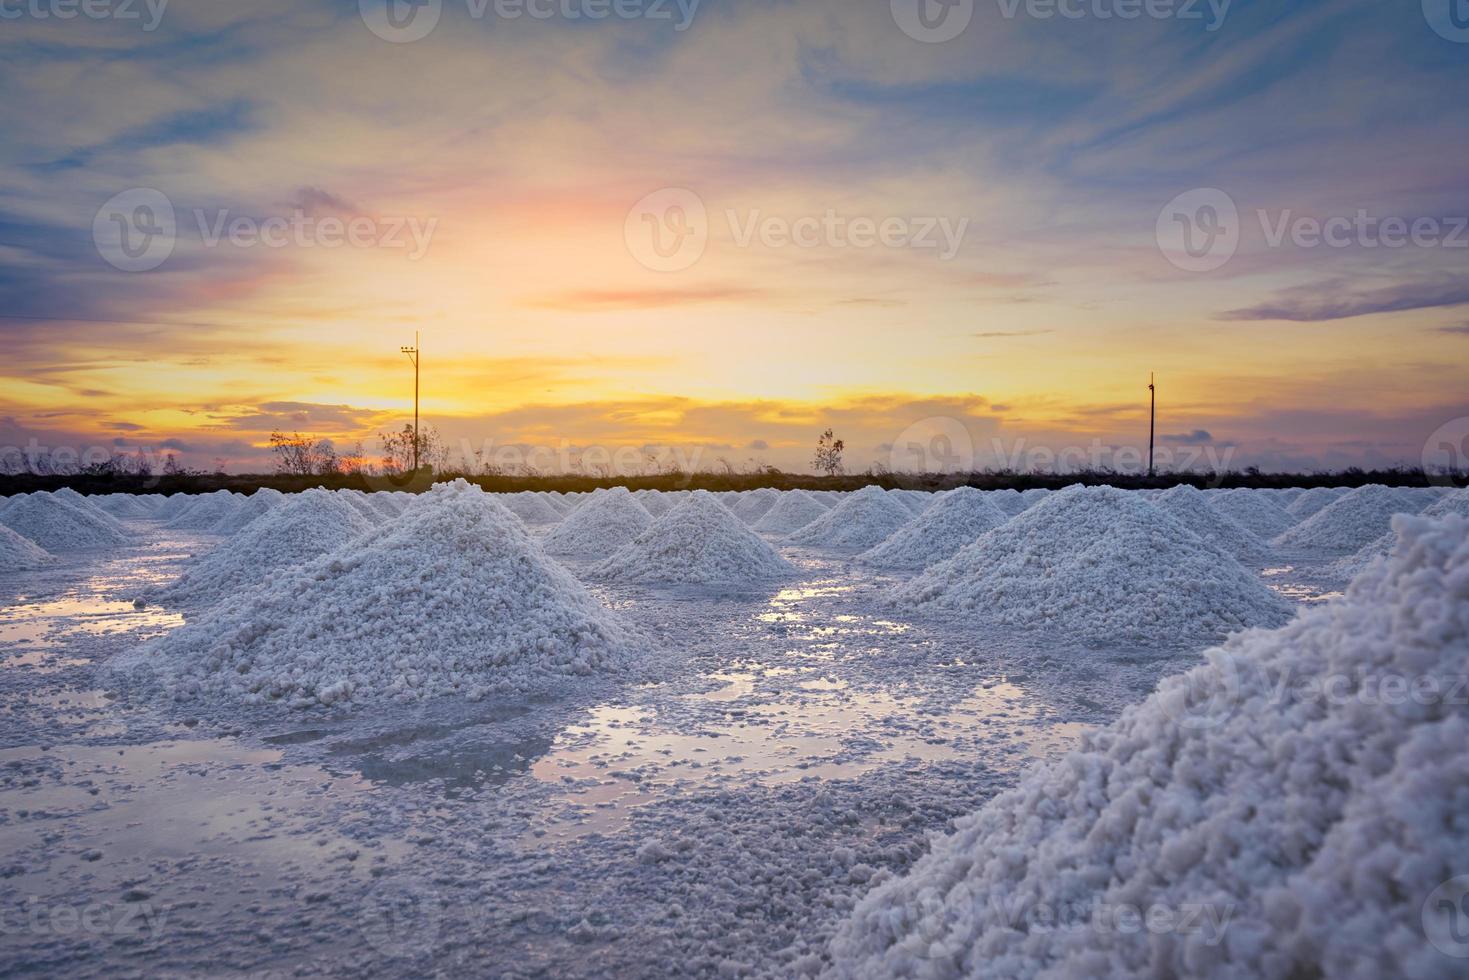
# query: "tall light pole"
{"type": "Point", "coordinates": [412, 353]}
{"type": "Point", "coordinates": [1152, 418]}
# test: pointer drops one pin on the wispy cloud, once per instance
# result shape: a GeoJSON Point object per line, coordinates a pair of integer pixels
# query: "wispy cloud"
{"type": "Point", "coordinates": [1334, 300]}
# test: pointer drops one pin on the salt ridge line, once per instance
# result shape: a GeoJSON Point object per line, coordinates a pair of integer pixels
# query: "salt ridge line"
{"type": "Point", "coordinates": [1310, 830]}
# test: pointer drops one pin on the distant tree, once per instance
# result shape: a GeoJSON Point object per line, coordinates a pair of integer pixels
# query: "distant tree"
{"type": "Point", "coordinates": [397, 449]}
{"type": "Point", "coordinates": [171, 466]}
{"type": "Point", "coordinates": [298, 455]}
{"type": "Point", "coordinates": [828, 458]}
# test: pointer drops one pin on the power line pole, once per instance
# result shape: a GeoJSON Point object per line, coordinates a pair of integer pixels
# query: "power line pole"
{"type": "Point", "coordinates": [1152, 418]}
{"type": "Point", "coordinates": [412, 353]}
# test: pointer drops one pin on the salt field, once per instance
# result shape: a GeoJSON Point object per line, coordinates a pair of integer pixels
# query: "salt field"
{"type": "Point", "coordinates": [727, 735]}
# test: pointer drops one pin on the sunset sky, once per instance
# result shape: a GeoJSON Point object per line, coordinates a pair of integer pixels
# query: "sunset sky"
{"type": "Point", "coordinates": [519, 150]}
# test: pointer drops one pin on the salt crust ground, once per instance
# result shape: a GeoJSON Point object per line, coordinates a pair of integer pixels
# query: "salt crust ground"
{"type": "Point", "coordinates": [605, 521]}
{"type": "Point", "coordinates": [1099, 563]}
{"type": "Point", "coordinates": [742, 878]}
{"type": "Point", "coordinates": [956, 519]}
{"type": "Point", "coordinates": [454, 598]}
{"type": "Point", "coordinates": [1354, 519]}
{"type": "Point", "coordinates": [863, 519]}
{"type": "Point", "coordinates": [308, 525]}
{"type": "Point", "coordinates": [1307, 831]}
{"type": "Point", "coordinates": [698, 542]}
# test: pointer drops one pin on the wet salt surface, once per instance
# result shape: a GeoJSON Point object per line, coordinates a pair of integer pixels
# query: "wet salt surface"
{"type": "Point", "coordinates": [715, 814]}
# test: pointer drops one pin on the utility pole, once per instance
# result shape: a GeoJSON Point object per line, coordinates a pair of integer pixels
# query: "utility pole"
{"type": "Point", "coordinates": [1152, 418]}
{"type": "Point", "coordinates": [412, 353]}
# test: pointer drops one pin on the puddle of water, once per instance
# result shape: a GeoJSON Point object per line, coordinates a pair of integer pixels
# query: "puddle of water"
{"type": "Point", "coordinates": [1305, 593]}
{"type": "Point", "coordinates": [623, 757]}
{"type": "Point", "coordinates": [46, 625]}
{"type": "Point", "coordinates": [102, 822]}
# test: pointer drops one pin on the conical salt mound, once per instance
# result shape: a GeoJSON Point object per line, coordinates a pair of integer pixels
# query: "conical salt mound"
{"type": "Point", "coordinates": [1285, 813]}
{"type": "Point", "coordinates": [203, 512]}
{"type": "Point", "coordinates": [607, 520]}
{"type": "Point", "coordinates": [390, 504]}
{"type": "Point", "coordinates": [1312, 500]}
{"type": "Point", "coordinates": [793, 511]}
{"type": "Point", "coordinates": [20, 554]}
{"type": "Point", "coordinates": [59, 526]}
{"type": "Point", "coordinates": [755, 504]}
{"type": "Point", "coordinates": [1354, 520]}
{"type": "Point", "coordinates": [88, 505]}
{"type": "Point", "coordinates": [455, 598]}
{"type": "Point", "coordinates": [260, 502]}
{"type": "Point", "coordinates": [655, 503]}
{"type": "Point", "coordinates": [358, 501]}
{"type": "Point", "coordinates": [1191, 508]}
{"type": "Point", "coordinates": [862, 520]}
{"type": "Point", "coordinates": [531, 508]}
{"type": "Point", "coordinates": [1255, 511]}
{"type": "Point", "coordinates": [1008, 500]}
{"type": "Point", "coordinates": [916, 501]}
{"type": "Point", "coordinates": [955, 520]}
{"type": "Point", "coordinates": [1099, 564]}
{"type": "Point", "coordinates": [308, 525]}
{"type": "Point", "coordinates": [1350, 567]}
{"type": "Point", "coordinates": [124, 506]}
{"type": "Point", "coordinates": [699, 542]}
